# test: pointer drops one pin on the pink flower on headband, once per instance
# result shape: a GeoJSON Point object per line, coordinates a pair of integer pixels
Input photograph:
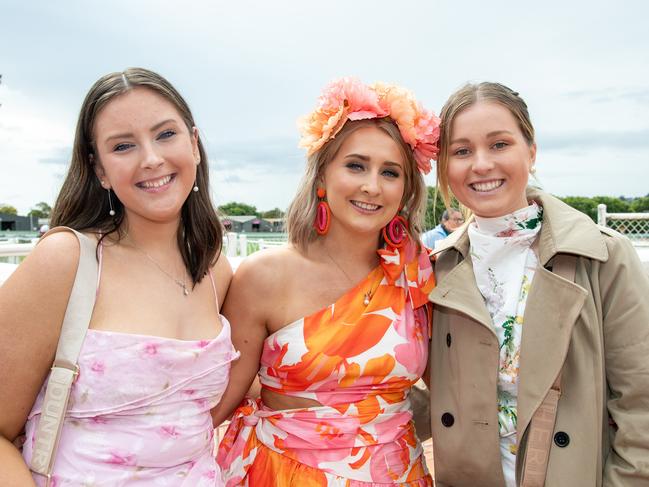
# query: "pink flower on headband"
{"type": "Point", "coordinates": [350, 99]}
{"type": "Point", "coordinates": [344, 99]}
{"type": "Point", "coordinates": [418, 126]}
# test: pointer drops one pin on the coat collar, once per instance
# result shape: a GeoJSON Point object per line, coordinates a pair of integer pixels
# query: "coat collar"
{"type": "Point", "coordinates": [564, 231]}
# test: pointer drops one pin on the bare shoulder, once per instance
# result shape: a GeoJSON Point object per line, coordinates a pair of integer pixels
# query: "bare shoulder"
{"type": "Point", "coordinates": [264, 278]}
{"type": "Point", "coordinates": [32, 305]}
{"type": "Point", "coordinates": [265, 268]}
{"type": "Point", "coordinates": [52, 263]}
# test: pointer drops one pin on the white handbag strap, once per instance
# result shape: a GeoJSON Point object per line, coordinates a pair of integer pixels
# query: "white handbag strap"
{"type": "Point", "coordinates": [65, 368]}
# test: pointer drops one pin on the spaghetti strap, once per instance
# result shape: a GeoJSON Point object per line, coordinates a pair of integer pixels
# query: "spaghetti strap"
{"type": "Point", "coordinates": [216, 294]}
{"type": "Point", "coordinates": [99, 262]}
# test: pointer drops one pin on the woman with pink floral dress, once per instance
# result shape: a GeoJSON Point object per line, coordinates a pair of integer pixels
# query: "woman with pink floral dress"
{"type": "Point", "coordinates": [157, 354]}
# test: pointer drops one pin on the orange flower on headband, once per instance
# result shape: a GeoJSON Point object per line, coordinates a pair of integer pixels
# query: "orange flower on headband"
{"type": "Point", "coordinates": [350, 99]}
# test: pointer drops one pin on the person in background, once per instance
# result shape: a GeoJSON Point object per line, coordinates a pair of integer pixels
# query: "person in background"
{"type": "Point", "coordinates": [451, 219]}
{"type": "Point", "coordinates": [534, 302]}
{"type": "Point", "coordinates": [156, 355]}
{"type": "Point", "coordinates": [339, 318]}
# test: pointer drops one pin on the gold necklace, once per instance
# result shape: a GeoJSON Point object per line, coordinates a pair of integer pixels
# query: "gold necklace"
{"type": "Point", "coordinates": [177, 281]}
{"type": "Point", "coordinates": [367, 296]}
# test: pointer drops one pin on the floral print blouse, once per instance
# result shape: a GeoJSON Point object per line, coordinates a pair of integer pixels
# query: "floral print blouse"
{"type": "Point", "coordinates": [504, 264]}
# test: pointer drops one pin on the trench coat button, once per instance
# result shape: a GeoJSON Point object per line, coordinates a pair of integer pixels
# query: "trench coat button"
{"type": "Point", "coordinates": [561, 439]}
{"type": "Point", "coordinates": [448, 340]}
{"type": "Point", "coordinates": [448, 420]}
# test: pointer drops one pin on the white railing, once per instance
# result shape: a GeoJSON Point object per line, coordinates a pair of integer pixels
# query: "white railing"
{"type": "Point", "coordinates": [242, 245]}
{"type": "Point", "coordinates": [634, 225]}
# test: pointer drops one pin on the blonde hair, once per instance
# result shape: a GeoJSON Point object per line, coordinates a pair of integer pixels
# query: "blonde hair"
{"type": "Point", "coordinates": [462, 99]}
{"type": "Point", "coordinates": [302, 210]}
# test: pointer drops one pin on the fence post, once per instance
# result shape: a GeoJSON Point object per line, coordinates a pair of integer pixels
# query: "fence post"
{"type": "Point", "coordinates": [232, 244]}
{"type": "Point", "coordinates": [601, 214]}
{"type": "Point", "coordinates": [243, 245]}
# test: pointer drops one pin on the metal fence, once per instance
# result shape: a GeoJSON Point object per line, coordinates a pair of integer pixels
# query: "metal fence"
{"type": "Point", "coordinates": [634, 225]}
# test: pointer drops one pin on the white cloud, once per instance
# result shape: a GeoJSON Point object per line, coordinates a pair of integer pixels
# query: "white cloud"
{"type": "Point", "coordinates": [31, 133]}
{"type": "Point", "coordinates": [249, 69]}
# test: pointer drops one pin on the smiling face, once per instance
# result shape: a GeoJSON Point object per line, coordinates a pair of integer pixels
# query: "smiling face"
{"type": "Point", "coordinates": [146, 154]}
{"type": "Point", "coordinates": [365, 182]}
{"type": "Point", "coordinates": [489, 160]}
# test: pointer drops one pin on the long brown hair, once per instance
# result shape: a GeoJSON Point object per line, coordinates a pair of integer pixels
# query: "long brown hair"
{"type": "Point", "coordinates": [302, 210]}
{"type": "Point", "coordinates": [82, 203]}
{"type": "Point", "coordinates": [463, 98]}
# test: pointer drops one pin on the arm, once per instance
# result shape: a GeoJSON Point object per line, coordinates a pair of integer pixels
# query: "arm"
{"type": "Point", "coordinates": [420, 397]}
{"type": "Point", "coordinates": [245, 307]}
{"type": "Point", "coordinates": [624, 291]}
{"type": "Point", "coordinates": [32, 305]}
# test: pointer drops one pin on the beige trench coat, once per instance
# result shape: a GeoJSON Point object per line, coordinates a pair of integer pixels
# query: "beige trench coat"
{"type": "Point", "coordinates": [597, 328]}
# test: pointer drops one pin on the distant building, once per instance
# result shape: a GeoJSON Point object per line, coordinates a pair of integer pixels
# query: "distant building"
{"type": "Point", "coordinates": [276, 224]}
{"type": "Point", "coordinates": [246, 224]}
{"type": "Point", "coordinates": [16, 223]}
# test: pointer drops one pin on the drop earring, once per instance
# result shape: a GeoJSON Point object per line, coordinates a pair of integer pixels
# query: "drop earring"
{"type": "Point", "coordinates": [322, 214]}
{"type": "Point", "coordinates": [395, 233]}
{"type": "Point", "coordinates": [110, 204]}
{"type": "Point", "coordinates": [195, 188]}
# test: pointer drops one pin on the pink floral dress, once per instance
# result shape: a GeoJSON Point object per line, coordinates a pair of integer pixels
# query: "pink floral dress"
{"type": "Point", "coordinates": [139, 412]}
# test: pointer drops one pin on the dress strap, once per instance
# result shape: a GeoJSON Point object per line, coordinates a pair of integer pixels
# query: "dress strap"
{"type": "Point", "coordinates": [216, 294]}
{"type": "Point", "coordinates": [100, 260]}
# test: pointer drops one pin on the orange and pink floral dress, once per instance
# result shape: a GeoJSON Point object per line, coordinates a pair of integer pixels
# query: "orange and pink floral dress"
{"type": "Point", "coordinates": [359, 361]}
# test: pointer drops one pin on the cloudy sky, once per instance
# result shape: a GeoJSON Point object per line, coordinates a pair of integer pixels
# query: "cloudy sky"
{"type": "Point", "coordinates": [250, 68]}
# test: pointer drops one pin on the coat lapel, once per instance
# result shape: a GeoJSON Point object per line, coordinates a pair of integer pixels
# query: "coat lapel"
{"type": "Point", "coordinates": [457, 290]}
{"type": "Point", "coordinates": [552, 308]}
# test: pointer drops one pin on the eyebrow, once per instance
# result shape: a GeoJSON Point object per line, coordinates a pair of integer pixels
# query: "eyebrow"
{"type": "Point", "coordinates": [490, 134]}
{"type": "Point", "coordinates": [498, 132]}
{"type": "Point", "coordinates": [367, 158]}
{"type": "Point", "coordinates": [129, 134]}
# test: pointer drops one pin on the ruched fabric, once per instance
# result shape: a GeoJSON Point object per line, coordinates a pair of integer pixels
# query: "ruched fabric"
{"type": "Point", "coordinates": [139, 412]}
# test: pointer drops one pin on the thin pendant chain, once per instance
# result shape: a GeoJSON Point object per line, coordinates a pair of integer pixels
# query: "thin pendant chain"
{"type": "Point", "coordinates": [177, 281]}
{"type": "Point", "coordinates": [367, 296]}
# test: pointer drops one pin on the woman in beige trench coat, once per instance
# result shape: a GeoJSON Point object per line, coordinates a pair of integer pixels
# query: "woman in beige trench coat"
{"type": "Point", "coordinates": [595, 330]}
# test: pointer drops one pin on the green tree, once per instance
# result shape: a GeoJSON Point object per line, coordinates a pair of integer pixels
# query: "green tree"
{"type": "Point", "coordinates": [10, 210]}
{"type": "Point", "coordinates": [582, 203]}
{"type": "Point", "coordinates": [234, 208]}
{"type": "Point", "coordinates": [434, 208]}
{"type": "Point", "coordinates": [274, 213]}
{"type": "Point", "coordinates": [640, 205]}
{"type": "Point", "coordinates": [41, 210]}
{"type": "Point", "coordinates": [613, 205]}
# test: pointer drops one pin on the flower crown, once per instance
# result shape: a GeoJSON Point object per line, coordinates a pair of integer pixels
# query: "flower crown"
{"type": "Point", "coordinates": [350, 99]}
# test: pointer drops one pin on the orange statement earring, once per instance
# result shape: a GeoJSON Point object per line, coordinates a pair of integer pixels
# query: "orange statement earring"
{"type": "Point", "coordinates": [395, 233]}
{"type": "Point", "coordinates": [322, 214]}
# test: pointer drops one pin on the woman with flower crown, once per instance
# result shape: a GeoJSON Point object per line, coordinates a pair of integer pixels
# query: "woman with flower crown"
{"type": "Point", "coordinates": [336, 324]}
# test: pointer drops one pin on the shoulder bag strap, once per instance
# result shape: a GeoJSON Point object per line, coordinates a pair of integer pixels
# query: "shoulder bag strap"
{"type": "Point", "coordinates": [542, 424]}
{"type": "Point", "coordinates": [65, 368]}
